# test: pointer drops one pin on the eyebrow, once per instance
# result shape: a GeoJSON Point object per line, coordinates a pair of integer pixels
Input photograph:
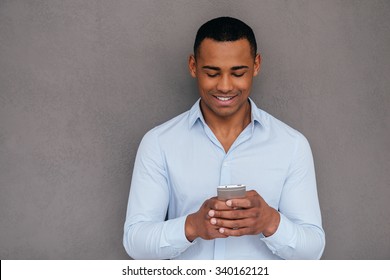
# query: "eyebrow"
{"type": "Point", "coordinates": [218, 69]}
{"type": "Point", "coordinates": [239, 67]}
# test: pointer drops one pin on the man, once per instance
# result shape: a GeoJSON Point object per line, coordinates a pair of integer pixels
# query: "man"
{"type": "Point", "coordinates": [173, 211]}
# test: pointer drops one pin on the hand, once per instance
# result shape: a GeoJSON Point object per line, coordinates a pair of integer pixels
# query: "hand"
{"type": "Point", "coordinates": [198, 224]}
{"type": "Point", "coordinates": [247, 216]}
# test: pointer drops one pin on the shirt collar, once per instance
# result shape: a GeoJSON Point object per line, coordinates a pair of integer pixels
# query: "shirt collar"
{"type": "Point", "coordinates": [196, 114]}
{"type": "Point", "coordinates": [256, 113]}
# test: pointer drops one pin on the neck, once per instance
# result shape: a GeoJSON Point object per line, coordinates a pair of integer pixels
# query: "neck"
{"type": "Point", "coordinates": [238, 120]}
{"type": "Point", "coordinates": [228, 128]}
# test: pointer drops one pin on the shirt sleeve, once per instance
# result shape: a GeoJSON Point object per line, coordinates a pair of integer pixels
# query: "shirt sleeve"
{"type": "Point", "coordinates": [146, 233]}
{"type": "Point", "coordinates": [300, 234]}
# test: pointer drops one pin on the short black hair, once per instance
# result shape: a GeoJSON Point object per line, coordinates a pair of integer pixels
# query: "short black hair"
{"type": "Point", "coordinates": [225, 29]}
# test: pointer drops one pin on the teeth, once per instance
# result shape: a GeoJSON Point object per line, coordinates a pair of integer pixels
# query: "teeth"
{"type": "Point", "coordinates": [224, 98]}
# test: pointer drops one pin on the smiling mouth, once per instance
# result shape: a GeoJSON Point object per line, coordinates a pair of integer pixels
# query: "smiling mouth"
{"type": "Point", "coordinates": [224, 98]}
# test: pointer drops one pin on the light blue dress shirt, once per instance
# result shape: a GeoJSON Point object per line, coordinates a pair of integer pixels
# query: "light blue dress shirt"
{"type": "Point", "coordinates": [179, 165]}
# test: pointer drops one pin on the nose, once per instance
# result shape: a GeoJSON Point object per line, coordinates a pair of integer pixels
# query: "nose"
{"type": "Point", "coordinates": [225, 84]}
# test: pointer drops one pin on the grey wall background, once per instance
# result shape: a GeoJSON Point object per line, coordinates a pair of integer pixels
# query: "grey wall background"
{"type": "Point", "coordinates": [82, 81]}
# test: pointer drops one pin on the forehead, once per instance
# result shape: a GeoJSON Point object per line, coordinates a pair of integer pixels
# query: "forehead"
{"type": "Point", "coordinates": [231, 52]}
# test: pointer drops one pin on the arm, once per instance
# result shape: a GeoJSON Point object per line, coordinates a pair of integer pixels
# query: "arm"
{"type": "Point", "coordinates": [292, 232]}
{"type": "Point", "coordinates": [300, 234]}
{"type": "Point", "coordinates": [146, 233]}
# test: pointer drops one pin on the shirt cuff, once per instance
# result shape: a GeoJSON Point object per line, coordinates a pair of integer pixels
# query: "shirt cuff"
{"type": "Point", "coordinates": [173, 235]}
{"type": "Point", "coordinates": [284, 237]}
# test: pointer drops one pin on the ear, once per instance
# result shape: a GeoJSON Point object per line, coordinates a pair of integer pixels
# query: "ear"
{"type": "Point", "coordinates": [192, 65]}
{"type": "Point", "coordinates": [257, 65]}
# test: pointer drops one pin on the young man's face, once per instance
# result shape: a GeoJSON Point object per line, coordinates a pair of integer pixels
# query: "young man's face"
{"type": "Point", "coordinates": [224, 71]}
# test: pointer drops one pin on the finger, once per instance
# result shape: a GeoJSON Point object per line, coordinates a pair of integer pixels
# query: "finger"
{"type": "Point", "coordinates": [235, 232]}
{"type": "Point", "coordinates": [253, 199]}
{"type": "Point", "coordinates": [233, 214]}
{"type": "Point", "coordinates": [216, 233]}
{"type": "Point", "coordinates": [231, 224]}
{"type": "Point", "coordinates": [220, 231]}
{"type": "Point", "coordinates": [251, 193]}
{"type": "Point", "coordinates": [216, 204]}
{"type": "Point", "coordinates": [210, 231]}
{"type": "Point", "coordinates": [221, 205]}
{"type": "Point", "coordinates": [239, 203]}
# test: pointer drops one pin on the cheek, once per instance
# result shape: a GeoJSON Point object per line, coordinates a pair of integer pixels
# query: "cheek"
{"type": "Point", "coordinates": [244, 84]}
{"type": "Point", "coordinates": [206, 84]}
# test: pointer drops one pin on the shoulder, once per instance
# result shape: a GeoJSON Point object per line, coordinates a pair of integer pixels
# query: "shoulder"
{"type": "Point", "coordinates": [286, 141]}
{"type": "Point", "coordinates": [178, 126]}
{"type": "Point", "coordinates": [154, 142]}
{"type": "Point", "coordinates": [283, 128]}
{"type": "Point", "coordinates": [269, 122]}
{"type": "Point", "coordinates": [277, 130]}
{"type": "Point", "coordinates": [173, 128]}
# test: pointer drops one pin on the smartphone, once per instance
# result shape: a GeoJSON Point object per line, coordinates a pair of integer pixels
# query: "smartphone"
{"type": "Point", "coordinates": [226, 192]}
